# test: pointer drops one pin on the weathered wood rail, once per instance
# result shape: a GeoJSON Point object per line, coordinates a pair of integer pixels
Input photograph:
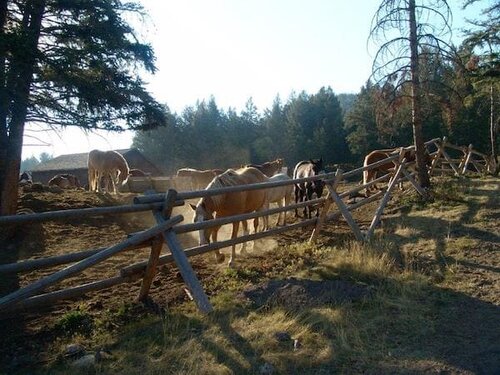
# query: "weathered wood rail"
{"type": "Point", "coordinates": [333, 206]}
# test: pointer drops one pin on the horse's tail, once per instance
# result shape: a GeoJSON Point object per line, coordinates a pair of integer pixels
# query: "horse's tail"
{"type": "Point", "coordinates": [125, 171]}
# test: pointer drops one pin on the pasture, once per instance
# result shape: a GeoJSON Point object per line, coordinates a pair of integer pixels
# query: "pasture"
{"type": "Point", "coordinates": [422, 297]}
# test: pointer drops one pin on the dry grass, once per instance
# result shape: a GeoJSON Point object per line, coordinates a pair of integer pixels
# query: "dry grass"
{"type": "Point", "coordinates": [409, 322]}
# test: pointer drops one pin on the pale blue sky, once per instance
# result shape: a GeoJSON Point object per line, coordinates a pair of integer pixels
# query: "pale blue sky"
{"type": "Point", "coordinates": [237, 49]}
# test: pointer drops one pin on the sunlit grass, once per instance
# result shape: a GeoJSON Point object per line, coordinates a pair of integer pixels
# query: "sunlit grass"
{"type": "Point", "coordinates": [404, 269]}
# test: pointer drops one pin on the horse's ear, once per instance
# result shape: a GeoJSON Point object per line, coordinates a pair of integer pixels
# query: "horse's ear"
{"type": "Point", "coordinates": [193, 206]}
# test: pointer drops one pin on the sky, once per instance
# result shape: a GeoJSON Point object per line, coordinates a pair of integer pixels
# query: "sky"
{"type": "Point", "coordinates": [234, 50]}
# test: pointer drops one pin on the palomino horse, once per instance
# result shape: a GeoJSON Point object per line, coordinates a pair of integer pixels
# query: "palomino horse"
{"type": "Point", "coordinates": [65, 181]}
{"type": "Point", "coordinates": [109, 164]}
{"type": "Point", "coordinates": [269, 168]}
{"type": "Point", "coordinates": [304, 191]}
{"type": "Point", "coordinates": [282, 195]}
{"type": "Point", "coordinates": [229, 204]}
{"type": "Point", "coordinates": [199, 178]}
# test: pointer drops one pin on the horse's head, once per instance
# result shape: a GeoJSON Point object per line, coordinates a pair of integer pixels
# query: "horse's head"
{"type": "Point", "coordinates": [279, 163]}
{"type": "Point", "coordinates": [201, 214]}
{"type": "Point", "coordinates": [317, 165]}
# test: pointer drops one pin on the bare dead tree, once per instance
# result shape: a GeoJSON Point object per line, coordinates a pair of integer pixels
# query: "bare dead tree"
{"type": "Point", "coordinates": [404, 30]}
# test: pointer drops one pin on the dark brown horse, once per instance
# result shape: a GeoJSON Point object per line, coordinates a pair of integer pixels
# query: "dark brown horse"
{"type": "Point", "coordinates": [269, 168]}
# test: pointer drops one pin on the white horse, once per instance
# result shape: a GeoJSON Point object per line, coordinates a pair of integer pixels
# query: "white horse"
{"type": "Point", "coordinates": [282, 195]}
{"type": "Point", "coordinates": [109, 165]}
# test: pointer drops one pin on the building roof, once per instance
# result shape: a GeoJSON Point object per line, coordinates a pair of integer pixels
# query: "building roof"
{"type": "Point", "coordinates": [69, 161]}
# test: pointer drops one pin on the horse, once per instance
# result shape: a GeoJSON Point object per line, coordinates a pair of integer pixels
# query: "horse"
{"type": "Point", "coordinates": [25, 179]}
{"type": "Point", "coordinates": [107, 163]}
{"type": "Point", "coordinates": [269, 168]}
{"type": "Point", "coordinates": [65, 181]}
{"type": "Point", "coordinates": [199, 178]}
{"type": "Point", "coordinates": [281, 195]}
{"type": "Point", "coordinates": [229, 204]}
{"type": "Point", "coordinates": [389, 166]}
{"type": "Point", "coordinates": [304, 191]}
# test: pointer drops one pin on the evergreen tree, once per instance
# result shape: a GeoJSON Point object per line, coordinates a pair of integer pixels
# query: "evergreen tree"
{"type": "Point", "coordinates": [64, 63]}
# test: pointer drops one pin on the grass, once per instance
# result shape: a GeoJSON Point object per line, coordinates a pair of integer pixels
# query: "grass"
{"type": "Point", "coordinates": [409, 322]}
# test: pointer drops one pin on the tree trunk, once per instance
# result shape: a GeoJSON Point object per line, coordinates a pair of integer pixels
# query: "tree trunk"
{"type": "Point", "coordinates": [493, 132]}
{"type": "Point", "coordinates": [423, 176]}
{"type": "Point", "coordinates": [20, 77]}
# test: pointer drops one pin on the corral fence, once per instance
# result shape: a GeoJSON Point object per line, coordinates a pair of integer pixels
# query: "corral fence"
{"type": "Point", "coordinates": [447, 158]}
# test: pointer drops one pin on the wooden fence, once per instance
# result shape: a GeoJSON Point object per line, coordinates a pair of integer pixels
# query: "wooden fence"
{"type": "Point", "coordinates": [333, 206]}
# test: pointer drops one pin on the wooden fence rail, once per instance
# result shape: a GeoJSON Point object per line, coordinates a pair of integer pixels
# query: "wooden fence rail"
{"type": "Point", "coordinates": [168, 227]}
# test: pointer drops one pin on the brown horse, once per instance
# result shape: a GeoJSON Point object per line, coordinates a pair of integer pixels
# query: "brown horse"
{"type": "Point", "coordinates": [229, 204]}
{"type": "Point", "coordinates": [199, 178]}
{"type": "Point", "coordinates": [390, 166]}
{"type": "Point", "coordinates": [269, 168]}
{"type": "Point", "coordinates": [107, 163]}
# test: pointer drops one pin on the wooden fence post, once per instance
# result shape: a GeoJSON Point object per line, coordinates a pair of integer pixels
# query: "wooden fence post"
{"type": "Point", "coordinates": [467, 157]}
{"type": "Point", "coordinates": [180, 257]}
{"type": "Point", "coordinates": [345, 212]}
{"type": "Point", "coordinates": [384, 201]}
{"type": "Point", "coordinates": [448, 159]}
{"type": "Point", "coordinates": [151, 268]}
{"type": "Point", "coordinates": [436, 158]}
{"type": "Point", "coordinates": [326, 206]}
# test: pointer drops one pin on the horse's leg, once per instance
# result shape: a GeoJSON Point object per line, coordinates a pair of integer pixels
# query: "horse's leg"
{"type": "Point", "coordinates": [309, 194]}
{"type": "Point", "coordinates": [219, 257]}
{"type": "Point", "coordinates": [305, 198]}
{"type": "Point", "coordinates": [98, 180]}
{"type": "Point", "coordinates": [265, 207]}
{"type": "Point", "coordinates": [91, 178]}
{"type": "Point", "coordinates": [280, 205]}
{"type": "Point", "coordinates": [244, 223]}
{"type": "Point", "coordinates": [296, 191]}
{"type": "Point", "coordinates": [236, 225]}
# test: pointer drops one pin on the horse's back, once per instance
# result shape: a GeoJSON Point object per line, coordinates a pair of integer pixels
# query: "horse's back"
{"type": "Point", "coordinates": [279, 192]}
{"type": "Point", "coordinates": [242, 201]}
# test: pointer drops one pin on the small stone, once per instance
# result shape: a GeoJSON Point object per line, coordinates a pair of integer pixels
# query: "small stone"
{"type": "Point", "coordinates": [73, 351]}
{"type": "Point", "coordinates": [282, 336]}
{"type": "Point", "coordinates": [266, 369]}
{"type": "Point", "coordinates": [88, 360]}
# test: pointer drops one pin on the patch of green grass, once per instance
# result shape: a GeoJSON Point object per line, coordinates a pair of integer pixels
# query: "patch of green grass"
{"type": "Point", "coordinates": [75, 322]}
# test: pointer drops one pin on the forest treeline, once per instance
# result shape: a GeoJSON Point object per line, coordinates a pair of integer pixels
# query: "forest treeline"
{"type": "Point", "coordinates": [341, 128]}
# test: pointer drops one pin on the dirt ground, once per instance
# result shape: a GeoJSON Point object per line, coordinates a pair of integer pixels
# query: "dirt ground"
{"type": "Point", "coordinates": [26, 336]}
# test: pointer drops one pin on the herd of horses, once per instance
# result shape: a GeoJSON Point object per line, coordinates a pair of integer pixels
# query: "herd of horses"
{"type": "Point", "coordinates": [247, 201]}
{"type": "Point", "coordinates": [108, 170]}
